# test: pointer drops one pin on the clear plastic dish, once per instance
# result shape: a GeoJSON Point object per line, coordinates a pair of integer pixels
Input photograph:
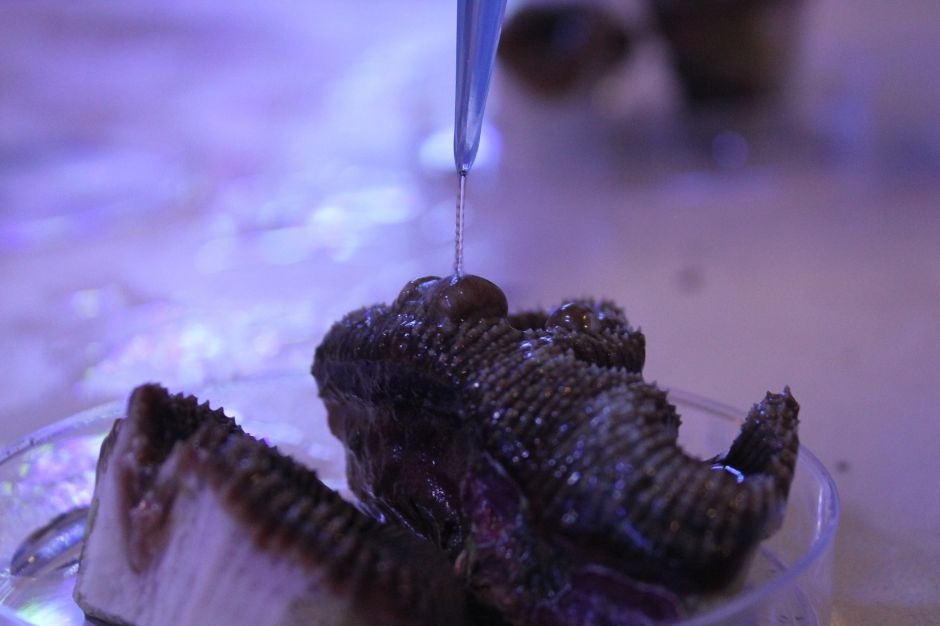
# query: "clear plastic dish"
{"type": "Point", "coordinates": [53, 472]}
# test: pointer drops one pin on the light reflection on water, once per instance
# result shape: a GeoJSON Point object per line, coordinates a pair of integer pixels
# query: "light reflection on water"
{"type": "Point", "coordinates": [53, 610]}
{"type": "Point", "coordinates": [234, 210]}
{"type": "Point", "coordinates": [208, 344]}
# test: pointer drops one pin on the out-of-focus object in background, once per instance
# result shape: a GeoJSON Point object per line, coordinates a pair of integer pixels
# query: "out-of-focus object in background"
{"type": "Point", "coordinates": [729, 50]}
{"type": "Point", "coordinates": [721, 51]}
{"type": "Point", "coordinates": [560, 48]}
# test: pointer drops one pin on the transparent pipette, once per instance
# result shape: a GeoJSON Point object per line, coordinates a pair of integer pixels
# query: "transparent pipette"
{"type": "Point", "coordinates": [478, 26]}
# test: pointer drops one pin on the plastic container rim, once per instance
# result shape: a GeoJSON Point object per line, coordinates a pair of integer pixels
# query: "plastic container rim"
{"type": "Point", "coordinates": [825, 533]}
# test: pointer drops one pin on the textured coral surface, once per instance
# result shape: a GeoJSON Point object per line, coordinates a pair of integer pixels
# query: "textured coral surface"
{"type": "Point", "coordinates": [531, 450]}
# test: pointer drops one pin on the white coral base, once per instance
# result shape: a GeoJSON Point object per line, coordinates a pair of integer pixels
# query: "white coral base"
{"type": "Point", "coordinates": [210, 571]}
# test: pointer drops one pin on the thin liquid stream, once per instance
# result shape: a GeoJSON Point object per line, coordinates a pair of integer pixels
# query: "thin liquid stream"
{"type": "Point", "coordinates": [458, 243]}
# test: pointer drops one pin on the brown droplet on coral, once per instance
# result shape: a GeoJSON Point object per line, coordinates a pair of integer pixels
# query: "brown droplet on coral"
{"type": "Point", "coordinates": [416, 289]}
{"type": "Point", "coordinates": [573, 316]}
{"type": "Point", "coordinates": [464, 298]}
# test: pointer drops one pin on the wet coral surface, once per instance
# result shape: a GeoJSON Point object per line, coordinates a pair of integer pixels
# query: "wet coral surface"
{"type": "Point", "coordinates": [539, 458]}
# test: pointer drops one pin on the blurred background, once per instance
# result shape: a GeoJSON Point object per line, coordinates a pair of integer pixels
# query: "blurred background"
{"type": "Point", "coordinates": [191, 194]}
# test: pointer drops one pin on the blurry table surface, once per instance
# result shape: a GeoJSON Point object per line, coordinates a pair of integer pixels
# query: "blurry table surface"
{"type": "Point", "coordinates": [194, 194]}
